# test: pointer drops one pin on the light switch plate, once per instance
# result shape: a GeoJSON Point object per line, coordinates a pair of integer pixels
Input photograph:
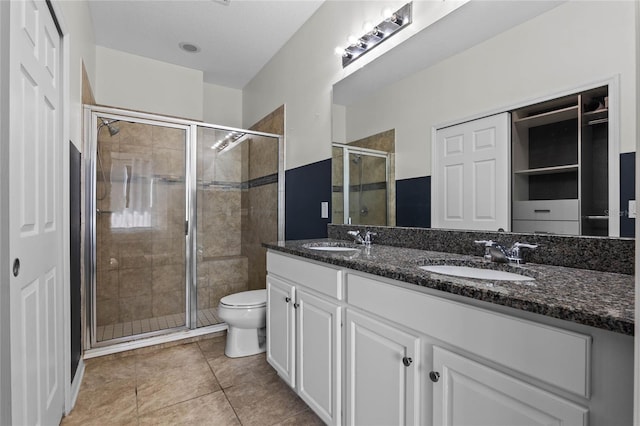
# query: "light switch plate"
{"type": "Point", "coordinates": [324, 210]}
{"type": "Point", "coordinates": [632, 209]}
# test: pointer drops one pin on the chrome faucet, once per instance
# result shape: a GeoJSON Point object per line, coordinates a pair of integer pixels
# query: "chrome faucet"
{"type": "Point", "coordinates": [494, 252]}
{"type": "Point", "coordinates": [366, 240]}
{"type": "Point", "coordinates": [356, 236]}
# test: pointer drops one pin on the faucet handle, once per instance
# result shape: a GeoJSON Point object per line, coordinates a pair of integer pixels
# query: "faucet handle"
{"type": "Point", "coordinates": [515, 255]}
{"type": "Point", "coordinates": [524, 245]}
{"type": "Point", "coordinates": [367, 237]}
{"type": "Point", "coordinates": [487, 247]}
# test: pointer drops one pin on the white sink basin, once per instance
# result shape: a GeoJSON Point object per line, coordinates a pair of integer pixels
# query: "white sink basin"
{"type": "Point", "coordinates": [478, 273]}
{"type": "Point", "coordinates": [331, 248]}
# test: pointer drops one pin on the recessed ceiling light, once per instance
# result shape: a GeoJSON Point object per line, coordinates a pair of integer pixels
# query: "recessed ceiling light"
{"type": "Point", "coordinates": [189, 47]}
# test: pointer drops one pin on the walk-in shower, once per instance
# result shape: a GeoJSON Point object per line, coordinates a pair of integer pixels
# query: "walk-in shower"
{"type": "Point", "coordinates": [176, 213]}
{"type": "Point", "coordinates": [360, 186]}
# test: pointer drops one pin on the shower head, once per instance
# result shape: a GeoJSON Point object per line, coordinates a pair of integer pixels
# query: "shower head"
{"type": "Point", "coordinates": [113, 130]}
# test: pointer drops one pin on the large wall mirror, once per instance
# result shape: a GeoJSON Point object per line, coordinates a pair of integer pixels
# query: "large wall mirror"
{"type": "Point", "coordinates": [487, 58]}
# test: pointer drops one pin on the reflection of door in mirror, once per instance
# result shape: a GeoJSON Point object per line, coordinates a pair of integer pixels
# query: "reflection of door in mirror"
{"type": "Point", "coordinates": [365, 169]}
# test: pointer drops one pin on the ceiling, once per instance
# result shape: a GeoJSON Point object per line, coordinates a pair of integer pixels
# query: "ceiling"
{"type": "Point", "coordinates": [236, 37]}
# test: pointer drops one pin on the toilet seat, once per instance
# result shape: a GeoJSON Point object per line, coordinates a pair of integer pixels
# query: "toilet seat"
{"type": "Point", "coordinates": [245, 299]}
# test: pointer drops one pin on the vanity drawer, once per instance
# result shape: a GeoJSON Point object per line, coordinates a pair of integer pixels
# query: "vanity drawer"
{"type": "Point", "coordinates": [322, 279]}
{"type": "Point", "coordinates": [555, 356]}
{"type": "Point", "coordinates": [565, 227]}
{"type": "Point", "coordinates": [546, 210]}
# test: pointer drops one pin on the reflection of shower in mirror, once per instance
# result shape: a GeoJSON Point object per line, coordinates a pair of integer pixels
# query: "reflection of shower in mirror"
{"type": "Point", "coordinates": [360, 185]}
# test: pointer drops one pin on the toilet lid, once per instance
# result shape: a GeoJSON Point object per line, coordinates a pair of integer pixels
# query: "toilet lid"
{"type": "Point", "coordinates": [246, 299]}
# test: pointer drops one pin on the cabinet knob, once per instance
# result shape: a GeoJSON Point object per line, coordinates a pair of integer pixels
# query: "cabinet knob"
{"type": "Point", "coordinates": [295, 305]}
{"type": "Point", "coordinates": [434, 376]}
{"type": "Point", "coordinates": [287, 299]}
{"type": "Point", "coordinates": [407, 361]}
{"type": "Point", "coordinates": [16, 267]}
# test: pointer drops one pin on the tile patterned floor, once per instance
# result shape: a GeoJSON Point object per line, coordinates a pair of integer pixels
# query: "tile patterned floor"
{"type": "Point", "coordinates": [192, 383]}
{"type": "Point", "coordinates": [206, 317]}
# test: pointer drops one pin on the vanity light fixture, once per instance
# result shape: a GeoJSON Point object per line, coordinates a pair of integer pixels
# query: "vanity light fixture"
{"type": "Point", "coordinates": [358, 46]}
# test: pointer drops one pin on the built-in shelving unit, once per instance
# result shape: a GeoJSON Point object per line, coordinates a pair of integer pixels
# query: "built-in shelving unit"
{"type": "Point", "coordinates": [560, 165]}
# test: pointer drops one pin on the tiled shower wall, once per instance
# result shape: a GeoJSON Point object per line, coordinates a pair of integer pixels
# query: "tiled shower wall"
{"type": "Point", "coordinates": [261, 198]}
{"type": "Point", "coordinates": [140, 269]}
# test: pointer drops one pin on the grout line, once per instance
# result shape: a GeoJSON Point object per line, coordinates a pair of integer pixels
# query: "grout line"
{"type": "Point", "coordinates": [221, 388]}
{"type": "Point", "coordinates": [231, 405]}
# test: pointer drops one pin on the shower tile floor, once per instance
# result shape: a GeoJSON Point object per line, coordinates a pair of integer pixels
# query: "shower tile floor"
{"type": "Point", "coordinates": [206, 317]}
{"type": "Point", "coordinates": [192, 383]}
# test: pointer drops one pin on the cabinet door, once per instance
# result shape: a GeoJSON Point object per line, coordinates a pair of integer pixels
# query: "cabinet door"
{"type": "Point", "coordinates": [318, 339]}
{"type": "Point", "coordinates": [468, 392]}
{"type": "Point", "coordinates": [382, 373]}
{"type": "Point", "coordinates": [281, 328]}
{"type": "Point", "coordinates": [471, 175]}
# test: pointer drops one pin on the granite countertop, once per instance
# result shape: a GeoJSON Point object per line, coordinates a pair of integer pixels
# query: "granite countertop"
{"type": "Point", "coordinates": [598, 299]}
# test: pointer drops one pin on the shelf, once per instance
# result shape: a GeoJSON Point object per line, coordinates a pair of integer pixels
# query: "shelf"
{"type": "Point", "coordinates": [596, 117]}
{"type": "Point", "coordinates": [598, 121]}
{"type": "Point", "coordinates": [597, 113]}
{"type": "Point", "coordinates": [548, 170]}
{"type": "Point", "coordinates": [548, 117]}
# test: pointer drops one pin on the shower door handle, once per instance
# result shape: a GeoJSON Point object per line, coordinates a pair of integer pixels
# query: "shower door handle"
{"type": "Point", "coordinates": [186, 227]}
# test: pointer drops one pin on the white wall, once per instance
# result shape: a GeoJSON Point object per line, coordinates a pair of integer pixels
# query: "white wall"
{"type": "Point", "coordinates": [222, 105]}
{"type": "Point", "coordinates": [77, 20]}
{"type": "Point", "coordinates": [302, 73]}
{"type": "Point", "coordinates": [572, 45]}
{"type": "Point", "coordinates": [133, 82]}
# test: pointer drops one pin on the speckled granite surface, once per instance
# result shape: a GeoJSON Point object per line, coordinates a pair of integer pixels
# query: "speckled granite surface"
{"type": "Point", "coordinates": [599, 254]}
{"type": "Point", "coordinates": [594, 298]}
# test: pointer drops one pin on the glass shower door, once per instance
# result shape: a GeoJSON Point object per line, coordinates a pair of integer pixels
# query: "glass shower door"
{"type": "Point", "coordinates": [140, 198]}
{"type": "Point", "coordinates": [367, 188]}
{"type": "Point", "coordinates": [237, 177]}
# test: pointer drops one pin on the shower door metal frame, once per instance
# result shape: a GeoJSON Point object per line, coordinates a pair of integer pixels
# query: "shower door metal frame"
{"type": "Point", "coordinates": [346, 151]}
{"type": "Point", "coordinates": [91, 114]}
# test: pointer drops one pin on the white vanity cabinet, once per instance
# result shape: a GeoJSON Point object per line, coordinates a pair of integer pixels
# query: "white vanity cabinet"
{"type": "Point", "coordinates": [466, 392]}
{"type": "Point", "coordinates": [281, 350]}
{"type": "Point", "coordinates": [414, 356]}
{"type": "Point", "coordinates": [382, 373]}
{"type": "Point", "coordinates": [304, 339]}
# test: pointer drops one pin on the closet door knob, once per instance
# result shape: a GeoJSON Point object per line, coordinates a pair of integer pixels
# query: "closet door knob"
{"type": "Point", "coordinates": [295, 305]}
{"type": "Point", "coordinates": [287, 299]}
{"type": "Point", "coordinates": [407, 361]}
{"type": "Point", "coordinates": [434, 376]}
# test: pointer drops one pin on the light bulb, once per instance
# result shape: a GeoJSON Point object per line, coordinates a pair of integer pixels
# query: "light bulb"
{"type": "Point", "coordinates": [387, 13]}
{"type": "Point", "coordinates": [353, 39]}
{"type": "Point", "coordinates": [368, 27]}
{"type": "Point", "coordinates": [339, 50]}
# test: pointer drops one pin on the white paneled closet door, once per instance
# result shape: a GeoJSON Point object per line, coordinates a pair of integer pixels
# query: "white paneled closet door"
{"type": "Point", "coordinates": [470, 175]}
{"type": "Point", "coordinates": [36, 284]}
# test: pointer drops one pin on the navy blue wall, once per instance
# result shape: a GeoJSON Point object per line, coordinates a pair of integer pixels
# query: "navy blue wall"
{"type": "Point", "coordinates": [413, 202]}
{"type": "Point", "coordinates": [627, 192]}
{"type": "Point", "coordinates": [305, 188]}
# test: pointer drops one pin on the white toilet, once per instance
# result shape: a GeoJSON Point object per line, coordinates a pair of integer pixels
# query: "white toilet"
{"type": "Point", "coordinates": [246, 316]}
